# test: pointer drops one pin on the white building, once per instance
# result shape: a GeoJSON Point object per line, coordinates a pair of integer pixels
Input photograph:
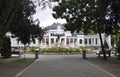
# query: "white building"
{"type": "Point", "coordinates": [56, 36]}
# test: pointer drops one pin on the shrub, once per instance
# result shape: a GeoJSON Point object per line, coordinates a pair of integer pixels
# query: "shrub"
{"type": "Point", "coordinates": [59, 49]}
{"type": "Point", "coordinates": [32, 49]}
{"type": "Point", "coordinates": [84, 49]}
{"type": "Point", "coordinates": [6, 47]}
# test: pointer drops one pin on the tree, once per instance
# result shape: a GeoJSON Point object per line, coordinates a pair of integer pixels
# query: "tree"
{"type": "Point", "coordinates": [6, 10]}
{"type": "Point", "coordinates": [77, 13]}
{"type": "Point", "coordinates": [19, 18]}
{"type": "Point", "coordinates": [36, 32]}
{"type": "Point", "coordinates": [6, 47]}
{"type": "Point", "coordinates": [113, 22]}
{"type": "Point", "coordinates": [113, 17]}
{"type": "Point", "coordinates": [16, 17]}
{"type": "Point", "coordinates": [86, 15]}
{"type": "Point", "coordinates": [20, 26]}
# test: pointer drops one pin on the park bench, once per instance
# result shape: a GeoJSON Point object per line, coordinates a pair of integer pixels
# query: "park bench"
{"type": "Point", "coordinates": [108, 52]}
{"type": "Point", "coordinates": [114, 51]}
{"type": "Point", "coordinates": [16, 52]}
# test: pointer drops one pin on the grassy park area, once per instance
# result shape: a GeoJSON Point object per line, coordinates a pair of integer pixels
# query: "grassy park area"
{"type": "Point", "coordinates": [111, 65]}
{"type": "Point", "coordinates": [11, 66]}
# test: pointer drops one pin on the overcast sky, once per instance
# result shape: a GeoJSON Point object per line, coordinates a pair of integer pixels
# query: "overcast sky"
{"type": "Point", "coordinates": [45, 17]}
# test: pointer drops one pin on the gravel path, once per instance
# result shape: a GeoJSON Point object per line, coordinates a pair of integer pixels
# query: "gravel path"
{"type": "Point", "coordinates": [63, 66]}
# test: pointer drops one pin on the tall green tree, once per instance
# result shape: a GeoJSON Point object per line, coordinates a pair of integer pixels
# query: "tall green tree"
{"type": "Point", "coordinates": [16, 17]}
{"type": "Point", "coordinates": [6, 48]}
{"type": "Point", "coordinates": [87, 15]}
{"type": "Point", "coordinates": [5, 11]}
{"type": "Point", "coordinates": [79, 12]}
{"type": "Point", "coordinates": [20, 25]}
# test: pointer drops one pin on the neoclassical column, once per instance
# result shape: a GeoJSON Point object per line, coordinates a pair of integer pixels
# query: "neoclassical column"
{"type": "Point", "coordinates": [87, 41]}
{"type": "Point", "coordinates": [73, 41]}
{"type": "Point", "coordinates": [94, 42]}
{"type": "Point", "coordinates": [49, 42]}
{"type": "Point", "coordinates": [98, 42]}
{"type": "Point", "coordinates": [77, 41]}
{"type": "Point", "coordinates": [60, 40]}
{"type": "Point", "coordinates": [45, 41]}
{"type": "Point", "coordinates": [54, 42]}
{"type": "Point", "coordinates": [83, 42]}
{"type": "Point", "coordinates": [69, 41]}
{"type": "Point", "coordinates": [65, 41]}
{"type": "Point", "coordinates": [91, 41]}
{"type": "Point", "coordinates": [109, 41]}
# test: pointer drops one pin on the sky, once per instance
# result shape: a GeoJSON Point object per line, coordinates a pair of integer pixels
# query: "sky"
{"type": "Point", "coordinates": [45, 17]}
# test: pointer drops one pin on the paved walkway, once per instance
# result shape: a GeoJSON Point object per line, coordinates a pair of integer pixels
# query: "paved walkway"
{"type": "Point", "coordinates": [63, 66]}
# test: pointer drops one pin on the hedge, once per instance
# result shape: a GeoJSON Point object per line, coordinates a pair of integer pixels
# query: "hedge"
{"type": "Point", "coordinates": [59, 49]}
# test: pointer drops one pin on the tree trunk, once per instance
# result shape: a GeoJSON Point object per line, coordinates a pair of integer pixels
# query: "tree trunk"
{"type": "Point", "coordinates": [102, 46]}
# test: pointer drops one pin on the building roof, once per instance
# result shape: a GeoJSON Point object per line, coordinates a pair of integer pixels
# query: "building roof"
{"type": "Point", "coordinates": [55, 26]}
{"type": "Point", "coordinates": [80, 33]}
{"type": "Point", "coordinates": [58, 26]}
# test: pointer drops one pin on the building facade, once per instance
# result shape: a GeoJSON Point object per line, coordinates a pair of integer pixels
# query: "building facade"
{"type": "Point", "coordinates": [56, 36]}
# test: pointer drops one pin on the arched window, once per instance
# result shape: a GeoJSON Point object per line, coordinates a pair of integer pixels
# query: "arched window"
{"type": "Point", "coordinates": [90, 41]}
{"type": "Point", "coordinates": [85, 41]}
{"type": "Point", "coordinates": [96, 40]}
{"type": "Point", "coordinates": [80, 41]}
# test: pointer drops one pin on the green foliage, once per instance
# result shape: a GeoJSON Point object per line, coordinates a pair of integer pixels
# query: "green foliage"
{"type": "Point", "coordinates": [77, 14]}
{"type": "Point", "coordinates": [86, 15]}
{"type": "Point", "coordinates": [5, 10]}
{"type": "Point", "coordinates": [32, 49]}
{"type": "Point", "coordinates": [21, 24]}
{"type": "Point", "coordinates": [25, 60]}
{"type": "Point", "coordinates": [59, 49]}
{"type": "Point", "coordinates": [6, 48]}
{"type": "Point", "coordinates": [101, 16]}
{"type": "Point", "coordinates": [16, 17]}
{"type": "Point", "coordinates": [84, 49]}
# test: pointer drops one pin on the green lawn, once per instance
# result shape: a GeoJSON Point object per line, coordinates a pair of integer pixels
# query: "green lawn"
{"type": "Point", "coordinates": [11, 66]}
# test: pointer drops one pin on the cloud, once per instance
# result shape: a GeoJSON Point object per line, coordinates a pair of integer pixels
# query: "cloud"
{"type": "Point", "coordinates": [45, 17]}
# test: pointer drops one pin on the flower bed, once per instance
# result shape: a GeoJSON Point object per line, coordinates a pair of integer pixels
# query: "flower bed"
{"type": "Point", "coordinates": [60, 50]}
